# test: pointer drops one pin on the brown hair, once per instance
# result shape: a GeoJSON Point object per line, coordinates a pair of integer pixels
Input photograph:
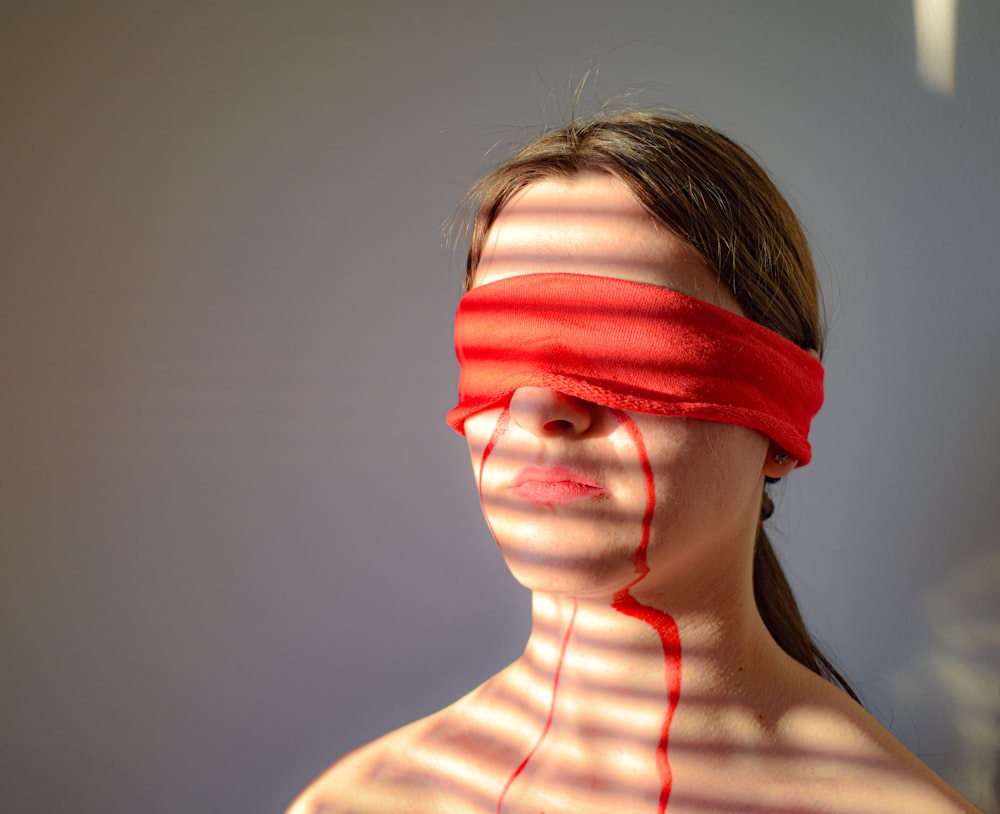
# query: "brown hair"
{"type": "Point", "coordinates": [709, 191]}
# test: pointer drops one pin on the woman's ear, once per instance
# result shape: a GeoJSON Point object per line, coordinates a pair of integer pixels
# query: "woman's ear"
{"type": "Point", "coordinates": [778, 463]}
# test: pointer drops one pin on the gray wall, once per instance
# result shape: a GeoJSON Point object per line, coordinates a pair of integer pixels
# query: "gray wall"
{"type": "Point", "coordinates": [237, 537]}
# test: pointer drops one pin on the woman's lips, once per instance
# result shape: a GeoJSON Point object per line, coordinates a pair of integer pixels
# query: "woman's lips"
{"type": "Point", "coordinates": [555, 485]}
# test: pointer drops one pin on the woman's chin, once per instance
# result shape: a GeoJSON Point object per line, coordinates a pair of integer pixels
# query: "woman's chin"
{"type": "Point", "coordinates": [589, 553]}
{"type": "Point", "coordinates": [578, 573]}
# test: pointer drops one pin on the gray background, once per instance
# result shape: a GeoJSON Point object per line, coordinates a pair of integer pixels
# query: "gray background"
{"type": "Point", "coordinates": [237, 537]}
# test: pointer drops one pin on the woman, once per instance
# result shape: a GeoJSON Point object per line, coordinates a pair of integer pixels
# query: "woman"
{"type": "Point", "coordinates": [639, 351]}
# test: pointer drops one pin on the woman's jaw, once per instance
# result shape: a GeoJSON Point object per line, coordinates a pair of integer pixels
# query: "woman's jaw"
{"type": "Point", "coordinates": [572, 511]}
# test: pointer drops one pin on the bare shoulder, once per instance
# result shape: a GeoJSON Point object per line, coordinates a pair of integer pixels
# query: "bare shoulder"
{"type": "Point", "coordinates": [357, 782]}
{"type": "Point", "coordinates": [450, 762]}
{"type": "Point", "coordinates": [849, 758]}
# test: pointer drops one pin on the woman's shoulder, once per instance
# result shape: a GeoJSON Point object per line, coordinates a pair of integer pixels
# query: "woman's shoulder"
{"type": "Point", "coordinates": [827, 755]}
{"type": "Point", "coordinates": [847, 757]}
{"type": "Point", "coordinates": [385, 775]}
{"type": "Point", "coordinates": [440, 763]}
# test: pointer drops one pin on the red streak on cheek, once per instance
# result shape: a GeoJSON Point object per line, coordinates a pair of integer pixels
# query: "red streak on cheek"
{"type": "Point", "coordinates": [499, 431]}
{"type": "Point", "coordinates": [661, 622]}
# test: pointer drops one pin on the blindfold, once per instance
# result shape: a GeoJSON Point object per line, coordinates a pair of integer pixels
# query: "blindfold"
{"type": "Point", "coordinates": [635, 347]}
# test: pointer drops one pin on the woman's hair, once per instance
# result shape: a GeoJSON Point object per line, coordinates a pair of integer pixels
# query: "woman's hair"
{"type": "Point", "coordinates": [709, 191]}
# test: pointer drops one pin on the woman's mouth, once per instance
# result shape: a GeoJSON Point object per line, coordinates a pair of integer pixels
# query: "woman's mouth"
{"type": "Point", "coordinates": [555, 485]}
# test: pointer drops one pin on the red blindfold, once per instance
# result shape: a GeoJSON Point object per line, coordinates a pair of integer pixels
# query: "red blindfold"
{"type": "Point", "coordinates": [632, 346]}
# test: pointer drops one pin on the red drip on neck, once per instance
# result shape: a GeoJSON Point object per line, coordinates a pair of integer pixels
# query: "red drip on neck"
{"type": "Point", "coordinates": [552, 711]}
{"type": "Point", "coordinates": [661, 622]}
{"type": "Point", "coordinates": [502, 425]}
{"type": "Point", "coordinates": [623, 602]}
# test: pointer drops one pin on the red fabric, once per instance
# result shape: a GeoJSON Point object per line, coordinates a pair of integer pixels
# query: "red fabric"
{"type": "Point", "coordinates": [632, 346]}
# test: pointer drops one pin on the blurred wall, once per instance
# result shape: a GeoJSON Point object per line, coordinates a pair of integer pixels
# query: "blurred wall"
{"type": "Point", "coordinates": [236, 537]}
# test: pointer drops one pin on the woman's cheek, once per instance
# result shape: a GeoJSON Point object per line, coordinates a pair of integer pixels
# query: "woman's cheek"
{"type": "Point", "coordinates": [479, 428]}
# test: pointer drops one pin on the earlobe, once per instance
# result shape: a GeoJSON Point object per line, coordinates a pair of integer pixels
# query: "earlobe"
{"type": "Point", "coordinates": [778, 463]}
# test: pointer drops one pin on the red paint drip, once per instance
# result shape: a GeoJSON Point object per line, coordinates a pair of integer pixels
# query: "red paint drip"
{"type": "Point", "coordinates": [552, 711]}
{"type": "Point", "coordinates": [499, 431]}
{"type": "Point", "coordinates": [623, 602]}
{"type": "Point", "coordinates": [661, 622]}
{"type": "Point", "coordinates": [502, 425]}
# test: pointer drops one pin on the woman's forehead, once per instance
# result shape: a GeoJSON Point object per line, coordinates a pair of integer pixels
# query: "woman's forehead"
{"type": "Point", "coordinates": [591, 223]}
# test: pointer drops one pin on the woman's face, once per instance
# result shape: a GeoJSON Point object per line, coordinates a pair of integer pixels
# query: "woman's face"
{"type": "Point", "coordinates": [564, 486]}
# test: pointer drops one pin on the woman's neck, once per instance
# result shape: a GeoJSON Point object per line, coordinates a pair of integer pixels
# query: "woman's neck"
{"type": "Point", "coordinates": [606, 683]}
{"type": "Point", "coordinates": [615, 652]}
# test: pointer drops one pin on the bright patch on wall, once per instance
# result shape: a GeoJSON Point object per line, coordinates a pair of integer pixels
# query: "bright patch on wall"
{"type": "Point", "coordinates": [935, 24]}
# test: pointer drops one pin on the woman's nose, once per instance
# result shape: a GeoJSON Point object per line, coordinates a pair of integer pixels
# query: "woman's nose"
{"type": "Point", "coordinates": [546, 412]}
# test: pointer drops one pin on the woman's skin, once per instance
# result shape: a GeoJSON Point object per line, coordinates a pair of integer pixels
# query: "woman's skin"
{"type": "Point", "coordinates": [577, 723]}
